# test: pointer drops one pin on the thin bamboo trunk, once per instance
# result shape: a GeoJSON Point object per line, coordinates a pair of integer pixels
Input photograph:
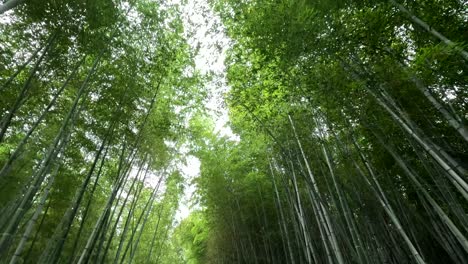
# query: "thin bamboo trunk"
{"type": "Point", "coordinates": [327, 223]}
{"type": "Point", "coordinates": [88, 205]}
{"type": "Point", "coordinates": [57, 147]}
{"type": "Point", "coordinates": [443, 216]}
{"type": "Point", "coordinates": [27, 85]}
{"type": "Point", "coordinates": [28, 253]}
{"type": "Point", "coordinates": [85, 254]}
{"type": "Point", "coordinates": [10, 4]}
{"type": "Point", "coordinates": [17, 152]}
{"type": "Point", "coordinates": [453, 121]}
{"type": "Point", "coordinates": [130, 214]}
{"type": "Point", "coordinates": [27, 233]}
{"type": "Point", "coordinates": [282, 218]}
{"type": "Point", "coordinates": [456, 179]}
{"type": "Point", "coordinates": [21, 68]}
{"type": "Point", "coordinates": [147, 214]}
{"type": "Point", "coordinates": [430, 29]}
{"type": "Point", "coordinates": [386, 206]}
{"type": "Point", "coordinates": [310, 252]}
{"type": "Point", "coordinates": [58, 240]}
{"type": "Point", "coordinates": [117, 220]}
{"type": "Point", "coordinates": [450, 166]}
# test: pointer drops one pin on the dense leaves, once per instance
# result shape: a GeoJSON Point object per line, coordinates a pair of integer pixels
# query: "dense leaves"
{"type": "Point", "coordinates": [93, 97]}
{"type": "Point", "coordinates": [361, 114]}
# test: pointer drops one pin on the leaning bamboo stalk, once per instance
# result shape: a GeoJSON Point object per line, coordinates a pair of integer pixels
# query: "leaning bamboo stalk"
{"type": "Point", "coordinates": [293, 210]}
{"type": "Point", "coordinates": [130, 211]}
{"type": "Point", "coordinates": [57, 146]}
{"type": "Point", "coordinates": [92, 238]}
{"type": "Point", "coordinates": [155, 234]}
{"type": "Point", "coordinates": [458, 126]}
{"type": "Point", "coordinates": [152, 198]}
{"type": "Point", "coordinates": [59, 238]}
{"type": "Point", "coordinates": [282, 218]}
{"type": "Point", "coordinates": [88, 205]}
{"type": "Point", "coordinates": [321, 208]}
{"type": "Point", "coordinates": [84, 257]}
{"type": "Point", "coordinates": [119, 215]}
{"type": "Point", "coordinates": [379, 193]}
{"type": "Point", "coordinates": [358, 245]}
{"type": "Point", "coordinates": [342, 205]}
{"type": "Point", "coordinates": [147, 214]}
{"type": "Point", "coordinates": [121, 179]}
{"type": "Point", "coordinates": [443, 216]}
{"type": "Point", "coordinates": [27, 233]}
{"type": "Point", "coordinates": [319, 218]}
{"type": "Point", "coordinates": [430, 29]}
{"type": "Point", "coordinates": [10, 4]}
{"type": "Point", "coordinates": [28, 253]}
{"type": "Point", "coordinates": [430, 148]}
{"type": "Point", "coordinates": [300, 213]}
{"type": "Point", "coordinates": [405, 118]}
{"type": "Point", "coordinates": [456, 179]}
{"type": "Point", "coordinates": [451, 118]}
{"type": "Point", "coordinates": [5, 123]}
{"type": "Point", "coordinates": [21, 68]}
{"type": "Point", "coordinates": [16, 153]}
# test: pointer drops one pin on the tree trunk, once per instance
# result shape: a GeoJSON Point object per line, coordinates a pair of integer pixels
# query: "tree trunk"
{"type": "Point", "coordinates": [16, 153]}
{"type": "Point", "coordinates": [379, 193]}
{"type": "Point", "coordinates": [10, 4]}
{"type": "Point", "coordinates": [27, 233]}
{"type": "Point", "coordinates": [321, 209]}
{"type": "Point", "coordinates": [22, 95]}
{"type": "Point", "coordinates": [430, 30]}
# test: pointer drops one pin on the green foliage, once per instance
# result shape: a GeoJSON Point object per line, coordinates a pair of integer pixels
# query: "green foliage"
{"type": "Point", "coordinates": [121, 112]}
{"type": "Point", "coordinates": [325, 65]}
{"type": "Point", "coordinates": [351, 117]}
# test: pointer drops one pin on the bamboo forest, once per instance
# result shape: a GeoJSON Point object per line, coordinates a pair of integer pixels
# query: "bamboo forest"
{"type": "Point", "coordinates": [234, 131]}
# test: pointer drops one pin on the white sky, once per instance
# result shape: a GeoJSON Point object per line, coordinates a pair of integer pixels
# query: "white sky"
{"type": "Point", "coordinates": [204, 31]}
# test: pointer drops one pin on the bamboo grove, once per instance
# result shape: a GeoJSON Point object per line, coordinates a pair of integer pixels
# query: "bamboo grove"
{"type": "Point", "coordinates": [93, 95]}
{"type": "Point", "coordinates": [353, 135]}
{"type": "Point", "coordinates": [351, 119]}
